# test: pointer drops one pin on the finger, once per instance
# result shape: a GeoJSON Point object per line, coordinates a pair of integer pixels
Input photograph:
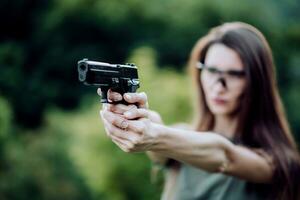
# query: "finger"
{"type": "Point", "coordinates": [105, 123]}
{"type": "Point", "coordinates": [119, 143]}
{"type": "Point", "coordinates": [125, 147]}
{"type": "Point", "coordinates": [114, 96]}
{"type": "Point", "coordinates": [140, 98]}
{"type": "Point", "coordinates": [115, 119]}
{"type": "Point", "coordinates": [136, 113]}
{"type": "Point", "coordinates": [121, 108]}
{"type": "Point", "coordinates": [115, 131]}
{"type": "Point", "coordinates": [127, 137]}
{"type": "Point", "coordinates": [105, 106]}
{"type": "Point", "coordinates": [137, 126]}
{"type": "Point", "coordinates": [126, 143]}
{"type": "Point", "coordinates": [126, 134]}
{"type": "Point", "coordinates": [99, 92]}
{"type": "Point", "coordinates": [110, 119]}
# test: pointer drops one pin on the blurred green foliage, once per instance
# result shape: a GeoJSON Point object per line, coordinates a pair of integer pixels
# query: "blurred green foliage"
{"type": "Point", "coordinates": [70, 157]}
{"type": "Point", "coordinates": [52, 143]}
{"type": "Point", "coordinates": [41, 40]}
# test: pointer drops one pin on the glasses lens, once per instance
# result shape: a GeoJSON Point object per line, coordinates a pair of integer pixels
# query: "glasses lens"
{"type": "Point", "coordinates": [232, 77]}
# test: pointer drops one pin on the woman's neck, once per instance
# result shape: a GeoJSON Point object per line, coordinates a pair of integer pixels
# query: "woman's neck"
{"type": "Point", "coordinates": [225, 125]}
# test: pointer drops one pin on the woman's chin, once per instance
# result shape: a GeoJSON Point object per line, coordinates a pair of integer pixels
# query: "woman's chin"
{"type": "Point", "coordinates": [220, 111]}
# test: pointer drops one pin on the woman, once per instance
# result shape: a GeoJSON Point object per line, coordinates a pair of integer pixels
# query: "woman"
{"type": "Point", "coordinates": [240, 146]}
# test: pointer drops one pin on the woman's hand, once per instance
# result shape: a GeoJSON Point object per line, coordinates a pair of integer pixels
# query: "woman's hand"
{"type": "Point", "coordinates": [137, 108]}
{"type": "Point", "coordinates": [130, 126]}
{"type": "Point", "coordinates": [130, 135]}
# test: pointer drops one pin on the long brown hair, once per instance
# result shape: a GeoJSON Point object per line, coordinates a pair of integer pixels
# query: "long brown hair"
{"type": "Point", "coordinates": [261, 118]}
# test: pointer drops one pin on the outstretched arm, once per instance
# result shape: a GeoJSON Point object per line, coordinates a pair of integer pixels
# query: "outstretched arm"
{"type": "Point", "coordinates": [205, 150]}
{"type": "Point", "coordinates": [214, 153]}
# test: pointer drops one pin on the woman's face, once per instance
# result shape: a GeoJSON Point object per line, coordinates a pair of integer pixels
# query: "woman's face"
{"type": "Point", "coordinates": [223, 79]}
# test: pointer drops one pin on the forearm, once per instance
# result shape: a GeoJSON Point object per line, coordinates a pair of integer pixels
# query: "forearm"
{"type": "Point", "coordinates": [159, 157]}
{"type": "Point", "coordinates": [203, 150]}
{"type": "Point", "coordinates": [156, 156]}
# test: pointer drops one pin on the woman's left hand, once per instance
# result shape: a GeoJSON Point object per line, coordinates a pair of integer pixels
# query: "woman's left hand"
{"type": "Point", "coordinates": [130, 135]}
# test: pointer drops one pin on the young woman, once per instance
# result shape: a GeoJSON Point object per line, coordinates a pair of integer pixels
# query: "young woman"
{"type": "Point", "coordinates": [240, 146]}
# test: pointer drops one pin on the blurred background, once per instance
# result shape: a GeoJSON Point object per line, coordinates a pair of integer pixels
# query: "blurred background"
{"type": "Point", "coordinates": [52, 142]}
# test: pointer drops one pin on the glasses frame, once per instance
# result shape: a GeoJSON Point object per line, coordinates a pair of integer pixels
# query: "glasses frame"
{"type": "Point", "coordinates": [234, 73]}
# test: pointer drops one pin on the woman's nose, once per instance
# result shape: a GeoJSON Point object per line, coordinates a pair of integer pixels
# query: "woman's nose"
{"type": "Point", "coordinates": [220, 84]}
{"type": "Point", "coordinates": [222, 81]}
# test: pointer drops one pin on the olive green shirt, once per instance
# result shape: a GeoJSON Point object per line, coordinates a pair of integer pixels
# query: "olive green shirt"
{"type": "Point", "coordinates": [193, 183]}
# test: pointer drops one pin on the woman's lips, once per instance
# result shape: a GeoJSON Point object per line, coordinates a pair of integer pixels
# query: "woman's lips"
{"type": "Point", "coordinates": [219, 101]}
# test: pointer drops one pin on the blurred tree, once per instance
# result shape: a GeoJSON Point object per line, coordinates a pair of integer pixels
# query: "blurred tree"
{"type": "Point", "coordinates": [41, 41]}
{"type": "Point", "coordinates": [36, 167]}
{"type": "Point", "coordinates": [5, 129]}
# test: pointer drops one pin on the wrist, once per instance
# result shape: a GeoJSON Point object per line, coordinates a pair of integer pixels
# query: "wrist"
{"type": "Point", "coordinates": [160, 131]}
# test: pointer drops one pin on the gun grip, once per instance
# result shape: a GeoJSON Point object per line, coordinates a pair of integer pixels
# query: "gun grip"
{"type": "Point", "coordinates": [104, 91]}
{"type": "Point", "coordinates": [120, 91]}
{"type": "Point", "coordinates": [104, 98]}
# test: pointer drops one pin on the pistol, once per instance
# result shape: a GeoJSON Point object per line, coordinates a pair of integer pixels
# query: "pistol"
{"type": "Point", "coordinates": [121, 78]}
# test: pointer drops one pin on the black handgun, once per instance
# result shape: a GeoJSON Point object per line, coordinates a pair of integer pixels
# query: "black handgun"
{"type": "Point", "coordinates": [121, 78]}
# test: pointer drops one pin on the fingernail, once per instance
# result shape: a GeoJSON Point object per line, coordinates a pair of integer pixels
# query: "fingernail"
{"type": "Point", "coordinates": [118, 97]}
{"type": "Point", "coordinates": [99, 91]}
{"type": "Point", "coordinates": [128, 96]}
